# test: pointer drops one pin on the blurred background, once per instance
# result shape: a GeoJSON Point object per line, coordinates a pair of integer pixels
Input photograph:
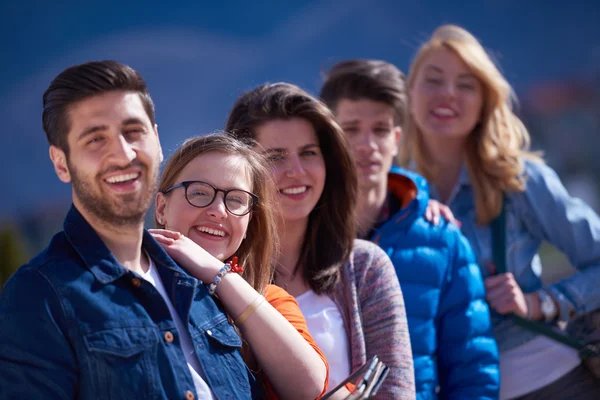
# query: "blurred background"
{"type": "Point", "coordinates": [197, 57]}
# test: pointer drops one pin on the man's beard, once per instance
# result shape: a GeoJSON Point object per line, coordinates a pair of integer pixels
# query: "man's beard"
{"type": "Point", "coordinates": [128, 209]}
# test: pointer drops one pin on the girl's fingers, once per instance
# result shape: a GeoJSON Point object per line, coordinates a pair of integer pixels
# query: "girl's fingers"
{"type": "Point", "coordinates": [167, 233]}
{"type": "Point", "coordinates": [494, 281]}
{"type": "Point", "coordinates": [163, 239]}
{"type": "Point", "coordinates": [504, 305]}
{"type": "Point", "coordinates": [498, 295]}
{"type": "Point", "coordinates": [435, 213]}
{"type": "Point", "coordinates": [428, 214]}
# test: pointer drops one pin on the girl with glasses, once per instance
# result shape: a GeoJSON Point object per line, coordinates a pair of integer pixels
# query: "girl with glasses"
{"type": "Point", "coordinates": [215, 201]}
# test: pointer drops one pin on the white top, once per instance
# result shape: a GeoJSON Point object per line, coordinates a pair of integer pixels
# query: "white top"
{"type": "Point", "coordinates": [326, 325]}
{"type": "Point", "coordinates": [533, 365]}
{"type": "Point", "coordinates": [202, 389]}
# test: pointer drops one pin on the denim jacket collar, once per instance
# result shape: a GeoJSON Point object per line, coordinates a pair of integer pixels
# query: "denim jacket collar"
{"type": "Point", "coordinates": [463, 181]}
{"type": "Point", "coordinates": [98, 258]}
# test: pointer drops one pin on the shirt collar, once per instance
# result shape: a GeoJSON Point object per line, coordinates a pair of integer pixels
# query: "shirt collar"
{"type": "Point", "coordinates": [97, 257]}
{"type": "Point", "coordinates": [463, 181]}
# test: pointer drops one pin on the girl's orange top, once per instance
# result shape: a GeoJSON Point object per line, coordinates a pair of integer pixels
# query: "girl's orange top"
{"type": "Point", "coordinates": [286, 304]}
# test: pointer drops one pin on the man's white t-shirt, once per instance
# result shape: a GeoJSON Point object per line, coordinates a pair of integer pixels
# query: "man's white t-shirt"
{"type": "Point", "coordinates": [202, 389]}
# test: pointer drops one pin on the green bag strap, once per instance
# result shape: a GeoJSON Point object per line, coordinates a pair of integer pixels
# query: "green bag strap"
{"type": "Point", "coordinates": [498, 229]}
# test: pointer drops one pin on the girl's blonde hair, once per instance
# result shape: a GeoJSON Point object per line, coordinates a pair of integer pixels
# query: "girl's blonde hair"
{"type": "Point", "coordinates": [499, 143]}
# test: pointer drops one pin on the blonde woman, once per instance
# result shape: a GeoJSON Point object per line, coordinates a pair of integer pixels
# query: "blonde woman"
{"type": "Point", "coordinates": [463, 136]}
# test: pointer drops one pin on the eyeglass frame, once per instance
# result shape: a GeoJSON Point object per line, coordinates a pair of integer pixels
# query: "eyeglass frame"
{"type": "Point", "coordinates": [186, 184]}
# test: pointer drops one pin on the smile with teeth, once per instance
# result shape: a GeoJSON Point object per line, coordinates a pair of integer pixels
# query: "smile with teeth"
{"type": "Point", "coordinates": [294, 190]}
{"type": "Point", "coordinates": [444, 112]}
{"type": "Point", "coordinates": [123, 178]}
{"type": "Point", "coordinates": [211, 231]}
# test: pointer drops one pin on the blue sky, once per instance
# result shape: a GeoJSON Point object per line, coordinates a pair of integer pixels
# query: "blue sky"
{"type": "Point", "coordinates": [197, 58]}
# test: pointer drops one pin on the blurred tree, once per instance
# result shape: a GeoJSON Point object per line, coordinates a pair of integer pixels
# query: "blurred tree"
{"type": "Point", "coordinates": [13, 252]}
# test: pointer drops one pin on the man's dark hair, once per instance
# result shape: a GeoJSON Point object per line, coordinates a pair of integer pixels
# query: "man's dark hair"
{"type": "Point", "coordinates": [82, 81]}
{"type": "Point", "coordinates": [366, 79]}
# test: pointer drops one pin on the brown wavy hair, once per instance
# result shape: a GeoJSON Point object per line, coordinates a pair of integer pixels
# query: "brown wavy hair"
{"type": "Point", "coordinates": [260, 246]}
{"type": "Point", "coordinates": [331, 224]}
{"type": "Point", "coordinates": [499, 143]}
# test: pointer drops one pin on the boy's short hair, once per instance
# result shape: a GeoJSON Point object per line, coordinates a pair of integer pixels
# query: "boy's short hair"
{"type": "Point", "coordinates": [366, 79]}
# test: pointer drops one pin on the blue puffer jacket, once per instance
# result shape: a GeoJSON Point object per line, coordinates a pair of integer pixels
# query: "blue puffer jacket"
{"type": "Point", "coordinates": [448, 318]}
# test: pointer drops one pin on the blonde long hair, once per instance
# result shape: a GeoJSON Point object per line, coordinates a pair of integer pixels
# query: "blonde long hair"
{"type": "Point", "coordinates": [499, 143]}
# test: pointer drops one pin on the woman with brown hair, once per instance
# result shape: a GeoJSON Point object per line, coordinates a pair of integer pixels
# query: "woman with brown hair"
{"type": "Point", "coordinates": [347, 288]}
{"type": "Point", "coordinates": [215, 201]}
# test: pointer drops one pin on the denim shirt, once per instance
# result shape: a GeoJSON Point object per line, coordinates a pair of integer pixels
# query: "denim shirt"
{"type": "Point", "coordinates": [543, 212]}
{"type": "Point", "coordinates": [77, 324]}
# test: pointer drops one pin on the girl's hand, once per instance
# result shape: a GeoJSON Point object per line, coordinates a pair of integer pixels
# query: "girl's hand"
{"type": "Point", "coordinates": [188, 254]}
{"type": "Point", "coordinates": [435, 209]}
{"type": "Point", "coordinates": [505, 296]}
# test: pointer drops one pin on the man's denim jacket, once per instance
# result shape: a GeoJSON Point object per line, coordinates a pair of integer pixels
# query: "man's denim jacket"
{"type": "Point", "coordinates": [74, 323]}
{"type": "Point", "coordinates": [543, 212]}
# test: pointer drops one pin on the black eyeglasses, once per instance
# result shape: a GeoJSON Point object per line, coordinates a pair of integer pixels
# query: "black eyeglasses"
{"type": "Point", "coordinates": [201, 194]}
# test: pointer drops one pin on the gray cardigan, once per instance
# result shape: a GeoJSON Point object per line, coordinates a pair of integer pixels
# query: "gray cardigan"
{"type": "Point", "coordinates": [372, 306]}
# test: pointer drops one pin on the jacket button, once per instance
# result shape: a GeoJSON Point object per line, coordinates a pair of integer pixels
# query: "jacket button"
{"type": "Point", "coordinates": [168, 337]}
{"type": "Point", "coordinates": [209, 332]}
{"type": "Point", "coordinates": [189, 395]}
{"type": "Point", "coordinates": [136, 282]}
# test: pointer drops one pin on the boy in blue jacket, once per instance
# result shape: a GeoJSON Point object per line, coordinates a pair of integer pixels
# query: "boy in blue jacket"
{"type": "Point", "coordinates": [455, 354]}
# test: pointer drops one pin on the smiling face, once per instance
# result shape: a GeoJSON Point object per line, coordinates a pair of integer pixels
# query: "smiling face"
{"type": "Point", "coordinates": [373, 135]}
{"type": "Point", "coordinates": [114, 156]}
{"type": "Point", "coordinates": [446, 99]}
{"type": "Point", "coordinates": [293, 149]}
{"type": "Point", "coordinates": [213, 227]}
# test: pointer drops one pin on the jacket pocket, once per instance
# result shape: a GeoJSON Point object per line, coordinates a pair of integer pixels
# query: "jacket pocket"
{"type": "Point", "coordinates": [224, 336]}
{"type": "Point", "coordinates": [228, 369]}
{"type": "Point", "coordinates": [122, 362]}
